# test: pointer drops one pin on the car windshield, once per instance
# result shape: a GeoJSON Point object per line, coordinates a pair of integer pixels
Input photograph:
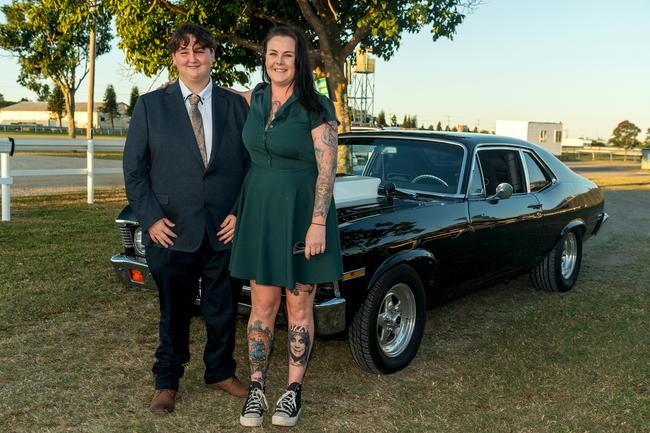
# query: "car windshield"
{"type": "Point", "coordinates": [416, 165]}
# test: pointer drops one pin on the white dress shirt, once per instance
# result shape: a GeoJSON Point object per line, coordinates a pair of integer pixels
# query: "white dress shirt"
{"type": "Point", "coordinates": [205, 108]}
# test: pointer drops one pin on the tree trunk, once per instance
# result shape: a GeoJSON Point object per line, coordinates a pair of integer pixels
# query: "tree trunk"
{"type": "Point", "coordinates": [337, 84]}
{"type": "Point", "coordinates": [68, 95]}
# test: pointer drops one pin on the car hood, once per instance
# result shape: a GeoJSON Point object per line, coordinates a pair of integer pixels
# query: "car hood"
{"type": "Point", "coordinates": [368, 207]}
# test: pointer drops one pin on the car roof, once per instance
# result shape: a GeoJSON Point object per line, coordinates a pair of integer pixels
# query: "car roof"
{"type": "Point", "coordinates": [468, 139]}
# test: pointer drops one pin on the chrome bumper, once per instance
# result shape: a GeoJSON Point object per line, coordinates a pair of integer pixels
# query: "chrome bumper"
{"type": "Point", "coordinates": [329, 315]}
{"type": "Point", "coordinates": [602, 219]}
{"type": "Point", "coordinates": [123, 263]}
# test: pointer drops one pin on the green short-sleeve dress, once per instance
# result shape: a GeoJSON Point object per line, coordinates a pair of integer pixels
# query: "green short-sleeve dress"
{"type": "Point", "coordinates": [277, 197]}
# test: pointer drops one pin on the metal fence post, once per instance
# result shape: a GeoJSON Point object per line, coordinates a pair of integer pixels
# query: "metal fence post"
{"type": "Point", "coordinates": [6, 186]}
{"type": "Point", "coordinates": [91, 171]}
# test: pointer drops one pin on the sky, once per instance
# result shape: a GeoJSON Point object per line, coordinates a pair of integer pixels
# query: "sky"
{"type": "Point", "coordinates": [585, 63]}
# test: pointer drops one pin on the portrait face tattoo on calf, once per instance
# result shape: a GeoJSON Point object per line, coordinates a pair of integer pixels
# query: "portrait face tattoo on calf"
{"type": "Point", "coordinates": [260, 340]}
{"type": "Point", "coordinates": [299, 345]}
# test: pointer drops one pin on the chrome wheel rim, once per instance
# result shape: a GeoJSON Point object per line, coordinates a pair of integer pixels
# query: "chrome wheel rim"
{"type": "Point", "coordinates": [569, 255]}
{"type": "Point", "coordinates": [396, 320]}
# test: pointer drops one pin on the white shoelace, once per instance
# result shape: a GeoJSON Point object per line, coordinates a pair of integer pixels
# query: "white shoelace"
{"type": "Point", "coordinates": [256, 402]}
{"type": "Point", "coordinates": [287, 403]}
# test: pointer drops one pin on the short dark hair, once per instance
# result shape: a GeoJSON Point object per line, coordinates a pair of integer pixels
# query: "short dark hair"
{"type": "Point", "coordinates": [181, 37]}
{"type": "Point", "coordinates": [303, 80]}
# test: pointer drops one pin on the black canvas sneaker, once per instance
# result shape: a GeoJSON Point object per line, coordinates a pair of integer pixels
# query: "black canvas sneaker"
{"type": "Point", "coordinates": [288, 407]}
{"type": "Point", "coordinates": [254, 407]}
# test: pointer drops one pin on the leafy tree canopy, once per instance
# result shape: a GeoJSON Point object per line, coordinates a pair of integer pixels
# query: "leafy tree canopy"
{"type": "Point", "coordinates": [50, 40]}
{"type": "Point", "coordinates": [56, 104]}
{"type": "Point", "coordinates": [381, 118]}
{"type": "Point", "coordinates": [135, 93]}
{"type": "Point", "coordinates": [625, 135]}
{"type": "Point", "coordinates": [334, 28]}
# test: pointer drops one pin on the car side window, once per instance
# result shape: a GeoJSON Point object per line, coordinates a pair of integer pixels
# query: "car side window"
{"type": "Point", "coordinates": [502, 166]}
{"type": "Point", "coordinates": [476, 186]}
{"type": "Point", "coordinates": [538, 178]}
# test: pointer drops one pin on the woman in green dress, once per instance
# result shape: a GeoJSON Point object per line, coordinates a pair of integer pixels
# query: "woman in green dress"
{"type": "Point", "coordinates": [286, 234]}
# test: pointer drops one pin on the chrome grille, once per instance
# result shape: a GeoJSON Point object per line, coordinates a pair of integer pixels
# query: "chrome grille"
{"type": "Point", "coordinates": [127, 236]}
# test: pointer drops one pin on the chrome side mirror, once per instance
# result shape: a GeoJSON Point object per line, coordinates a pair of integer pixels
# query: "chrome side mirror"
{"type": "Point", "coordinates": [504, 190]}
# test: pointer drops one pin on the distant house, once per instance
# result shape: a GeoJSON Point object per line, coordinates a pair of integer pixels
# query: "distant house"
{"type": "Point", "coordinates": [36, 113]}
{"type": "Point", "coordinates": [545, 134]}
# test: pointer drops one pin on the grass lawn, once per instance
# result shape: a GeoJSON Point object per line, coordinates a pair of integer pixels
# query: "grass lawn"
{"type": "Point", "coordinates": [76, 349]}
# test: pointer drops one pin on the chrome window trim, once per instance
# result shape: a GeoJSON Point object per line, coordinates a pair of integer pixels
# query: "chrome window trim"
{"type": "Point", "coordinates": [469, 182]}
{"type": "Point", "coordinates": [543, 167]}
{"type": "Point", "coordinates": [458, 194]}
{"type": "Point", "coordinates": [501, 146]}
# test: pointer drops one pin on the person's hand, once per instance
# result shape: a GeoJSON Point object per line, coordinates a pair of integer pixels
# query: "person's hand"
{"type": "Point", "coordinates": [167, 84]}
{"type": "Point", "coordinates": [314, 241]}
{"type": "Point", "coordinates": [160, 232]}
{"type": "Point", "coordinates": [227, 231]}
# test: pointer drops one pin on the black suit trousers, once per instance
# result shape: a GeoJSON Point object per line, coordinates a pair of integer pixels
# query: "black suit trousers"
{"type": "Point", "coordinates": [177, 275]}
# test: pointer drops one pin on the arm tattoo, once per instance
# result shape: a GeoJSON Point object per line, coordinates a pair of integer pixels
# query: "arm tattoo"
{"type": "Point", "coordinates": [299, 345]}
{"type": "Point", "coordinates": [325, 147]}
{"type": "Point", "coordinates": [260, 340]}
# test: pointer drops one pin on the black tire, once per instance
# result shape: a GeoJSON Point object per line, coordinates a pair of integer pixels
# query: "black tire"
{"type": "Point", "coordinates": [365, 343]}
{"type": "Point", "coordinates": [547, 275]}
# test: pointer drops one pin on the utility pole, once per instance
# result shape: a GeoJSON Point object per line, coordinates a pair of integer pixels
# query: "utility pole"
{"type": "Point", "coordinates": [90, 109]}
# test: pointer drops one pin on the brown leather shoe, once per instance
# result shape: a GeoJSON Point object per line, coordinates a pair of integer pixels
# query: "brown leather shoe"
{"type": "Point", "coordinates": [232, 386]}
{"type": "Point", "coordinates": [163, 401]}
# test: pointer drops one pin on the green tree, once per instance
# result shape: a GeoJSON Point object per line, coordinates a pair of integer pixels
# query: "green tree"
{"type": "Point", "coordinates": [110, 104]}
{"type": "Point", "coordinates": [625, 135]}
{"type": "Point", "coordinates": [50, 40]}
{"type": "Point", "coordinates": [439, 126]}
{"type": "Point", "coordinates": [334, 30]}
{"type": "Point", "coordinates": [414, 121]}
{"type": "Point", "coordinates": [381, 118]}
{"type": "Point", "coordinates": [430, 128]}
{"type": "Point", "coordinates": [393, 120]}
{"type": "Point", "coordinates": [475, 129]}
{"type": "Point", "coordinates": [56, 104]}
{"type": "Point", "coordinates": [406, 122]}
{"type": "Point", "coordinates": [447, 128]}
{"type": "Point", "coordinates": [135, 93]}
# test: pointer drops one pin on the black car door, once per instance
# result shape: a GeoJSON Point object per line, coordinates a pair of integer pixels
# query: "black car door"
{"type": "Point", "coordinates": [506, 232]}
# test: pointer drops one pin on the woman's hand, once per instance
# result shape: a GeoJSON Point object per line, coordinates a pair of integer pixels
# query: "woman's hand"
{"type": "Point", "coordinates": [314, 240]}
{"type": "Point", "coordinates": [166, 84]}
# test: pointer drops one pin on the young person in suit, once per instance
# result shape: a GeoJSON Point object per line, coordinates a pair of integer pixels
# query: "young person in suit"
{"type": "Point", "coordinates": [184, 163]}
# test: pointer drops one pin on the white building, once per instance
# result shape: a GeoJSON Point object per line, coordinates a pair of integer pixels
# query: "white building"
{"type": "Point", "coordinates": [36, 113]}
{"type": "Point", "coordinates": [545, 134]}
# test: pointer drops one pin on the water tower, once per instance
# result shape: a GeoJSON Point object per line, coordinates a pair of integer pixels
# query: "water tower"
{"type": "Point", "coordinates": [361, 89]}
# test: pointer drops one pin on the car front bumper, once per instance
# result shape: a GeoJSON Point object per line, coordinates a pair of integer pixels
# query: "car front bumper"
{"type": "Point", "coordinates": [329, 314]}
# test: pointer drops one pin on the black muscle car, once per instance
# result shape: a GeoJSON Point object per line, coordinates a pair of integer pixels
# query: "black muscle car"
{"type": "Point", "coordinates": [425, 217]}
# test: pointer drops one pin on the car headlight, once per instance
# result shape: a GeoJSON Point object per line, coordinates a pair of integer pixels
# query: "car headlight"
{"type": "Point", "coordinates": [137, 241]}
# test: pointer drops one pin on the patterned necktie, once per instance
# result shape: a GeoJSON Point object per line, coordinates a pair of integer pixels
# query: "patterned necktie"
{"type": "Point", "coordinates": [197, 126]}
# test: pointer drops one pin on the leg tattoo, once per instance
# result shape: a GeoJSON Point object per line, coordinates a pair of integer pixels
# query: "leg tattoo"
{"type": "Point", "coordinates": [299, 345]}
{"type": "Point", "coordinates": [300, 287]}
{"type": "Point", "coordinates": [260, 340]}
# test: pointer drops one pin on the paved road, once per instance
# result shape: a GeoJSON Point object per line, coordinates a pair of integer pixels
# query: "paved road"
{"type": "Point", "coordinates": [47, 184]}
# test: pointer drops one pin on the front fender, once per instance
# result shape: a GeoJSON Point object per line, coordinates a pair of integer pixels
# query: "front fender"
{"type": "Point", "coordinates": [571, 225]}
{"type": "Point", "coordinates": [409, 257]}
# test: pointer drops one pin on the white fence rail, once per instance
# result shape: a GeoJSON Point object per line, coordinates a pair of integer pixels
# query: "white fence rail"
{"type": "Point", "coordinates": [55, 144]}
{"type": "Point", "coordinates": [611, 152]}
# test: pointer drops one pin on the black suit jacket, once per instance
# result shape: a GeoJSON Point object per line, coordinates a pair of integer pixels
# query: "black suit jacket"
{"type": "Point", "coordinates": [164, 174]}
